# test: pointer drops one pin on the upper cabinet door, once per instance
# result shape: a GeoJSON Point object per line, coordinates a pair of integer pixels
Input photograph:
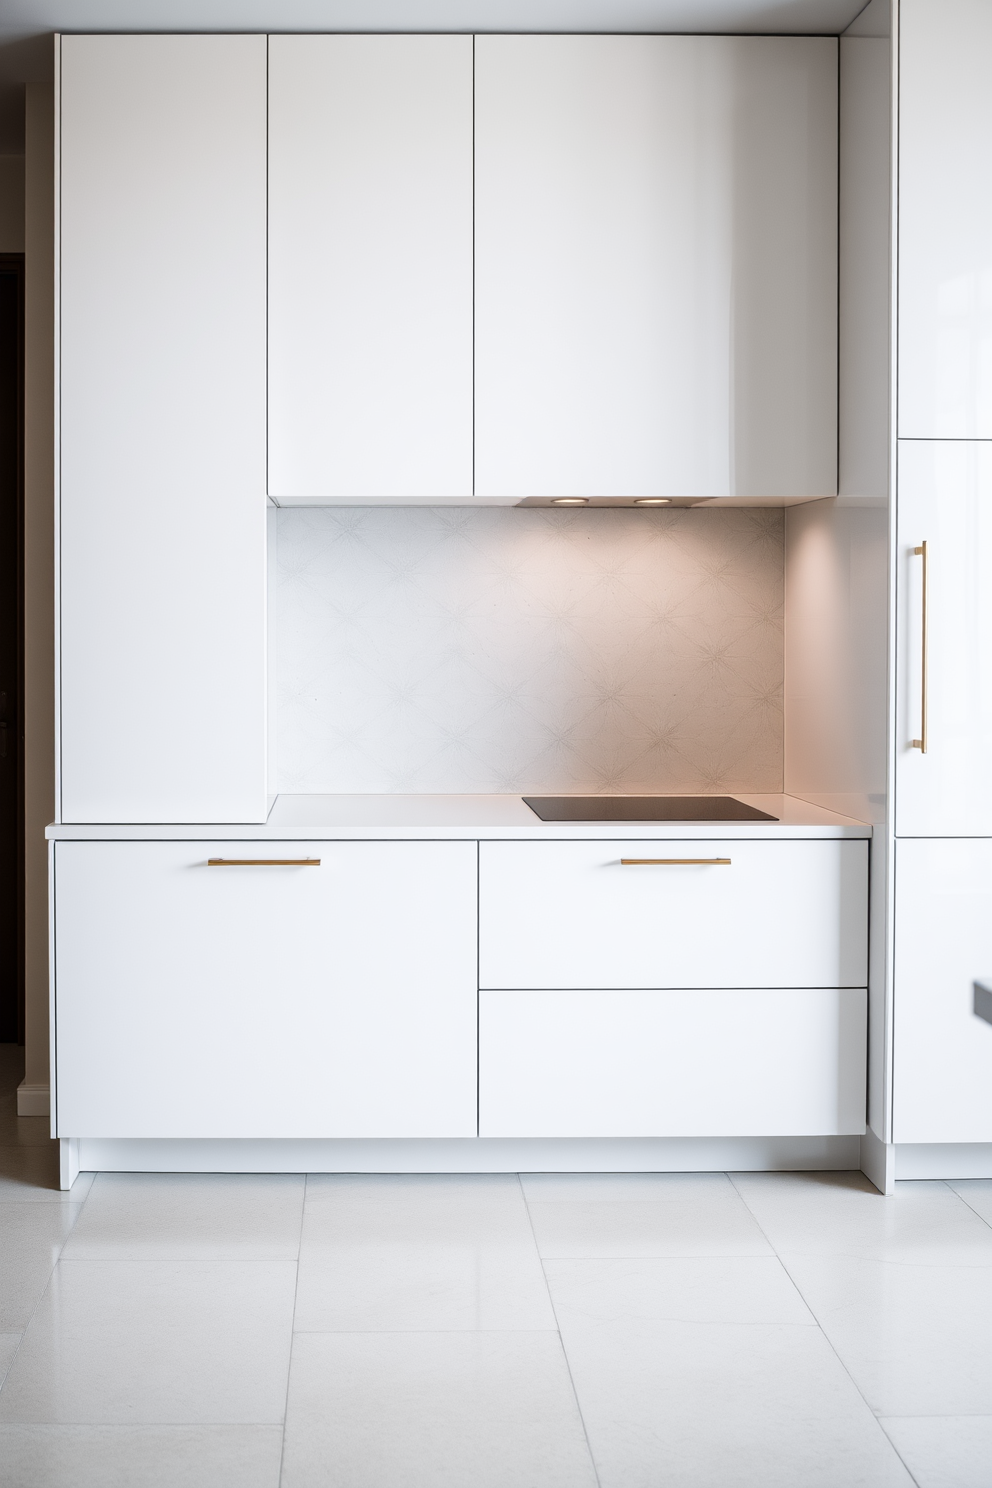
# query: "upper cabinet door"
{"type": "Point", "coordinates": [945, 501]}
{"type": "Point", "coordinates": [656, 231]}
{"type": "Point", "coordinates": [370, 267]}
{"type": "Point", "coordinates": [945, 220]}
{"type": "Point", "coordinates": [162, 424]}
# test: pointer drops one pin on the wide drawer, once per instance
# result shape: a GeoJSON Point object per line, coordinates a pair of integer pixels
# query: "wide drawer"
{"type": "Point", "coordinates": [763, 1062]}
{"type": "Point", "coordinates": [265, 996]}
{"type": "Point", "coordinates": [575, 914]}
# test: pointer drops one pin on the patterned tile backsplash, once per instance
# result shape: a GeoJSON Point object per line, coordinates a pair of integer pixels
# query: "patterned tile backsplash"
{"type": "Point", "coordinates": [526, 649]}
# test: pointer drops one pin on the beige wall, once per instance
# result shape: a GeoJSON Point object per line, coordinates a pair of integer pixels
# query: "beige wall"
{"type": "Point", "coordinates": [39, 605]}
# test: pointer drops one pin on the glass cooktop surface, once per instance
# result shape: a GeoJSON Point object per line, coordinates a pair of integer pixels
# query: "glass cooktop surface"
{"type": "Point", "coordinates": [643, 808]}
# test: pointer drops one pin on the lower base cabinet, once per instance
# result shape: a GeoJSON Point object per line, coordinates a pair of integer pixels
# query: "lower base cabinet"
{"type": "Point", "coordinates": [683, 1062]}
{"type": "Point", "coordinates": [942, 1081]}
{"type": "Point", "coordinates": [331, 989]}
{"type": "Point", "coordinates": [265, 1000]}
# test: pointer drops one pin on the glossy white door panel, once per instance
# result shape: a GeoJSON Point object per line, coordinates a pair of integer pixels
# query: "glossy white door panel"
{"type": "Point", "coordinates": [655, 260]}
{"type": "Point", "coordinates": [330, 1001]}
{"type": "Point", "coordinates": [784, 1062]}
{"type": "Point", "coordinates": [370, 266]}
{"type": "Point", "coordinates": [943, 943]}
{"type": "Point", "coordinates": [571, 914]}
{"type": "Point", "coordinates": [162, 509]}
{"type": "Point", "coordinates": [945, 500]}
{"type": "Point", "coordinates": [945, 220]}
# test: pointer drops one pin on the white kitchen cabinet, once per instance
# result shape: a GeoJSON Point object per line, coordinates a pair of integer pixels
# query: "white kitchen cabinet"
{"type": "Point", "coordinates": [161, 512]}
{"type": "Point", "coordinates": [945, 220]}
{"type": "Point", "coordinates": [574, 915]}
{"type": "Point", "coordinates": [945, 501]}
{"type": "Point", "coordinates": [330, 1001]}
{"type": "Point", "coordinates": [943, 944]}
{"type": "Point", "coordinates": [782, 1062]}
{"type": "Point", "coordinates": [370, 267]}
{"type": "Point", "coordinates": [655, 266]}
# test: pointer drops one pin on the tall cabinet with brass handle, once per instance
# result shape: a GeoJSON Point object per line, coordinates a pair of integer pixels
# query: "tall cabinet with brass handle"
{"type": "Point", "coordinates": [942, 723]}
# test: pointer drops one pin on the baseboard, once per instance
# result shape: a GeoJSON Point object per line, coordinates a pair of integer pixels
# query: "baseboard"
{"type": "Point", "coordinates": [943, 1160]}
{"type": "Point", "coordinates": [878, 1162]}
{"type": "Point", "coordinates": [32, 1100]}
{"type": "Point", "coordinates": [468, 1155]}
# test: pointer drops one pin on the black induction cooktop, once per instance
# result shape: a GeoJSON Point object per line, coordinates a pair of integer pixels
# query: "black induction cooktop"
{"type": "Point", "coordinates": [643, 808]}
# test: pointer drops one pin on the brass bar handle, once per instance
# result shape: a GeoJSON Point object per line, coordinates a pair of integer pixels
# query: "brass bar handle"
{"type": "Point", "coordinates": [263, 862]}
{"type": "Point", "coordinates": [658, 862]}
{"type": "Point", "coordinates": [921, 742]}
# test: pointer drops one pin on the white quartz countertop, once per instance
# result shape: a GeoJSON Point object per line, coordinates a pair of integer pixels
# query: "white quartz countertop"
{"type": "Point", "coordinates": [331, 818]}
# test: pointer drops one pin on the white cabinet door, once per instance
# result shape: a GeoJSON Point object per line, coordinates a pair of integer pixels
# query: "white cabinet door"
{"type": "Point", "coordinates": [945, 501]}
{"type": "Point", "coordinates": [330, 1001]}
{"type": "Point", "coordinates": [655, 260]}
{"type": "Point", "coordinates": [162, 398]}
{"type": "Point", "coordinates": [573, 914]}
{"type": "Point", "coordinates": [370, 266]}
{"type": "Point", "coordinates": [945, 220]}
{"type": "Point", "coordinates": [943, 942]}
{"type": "Point", "coordinates": [787, 1062]}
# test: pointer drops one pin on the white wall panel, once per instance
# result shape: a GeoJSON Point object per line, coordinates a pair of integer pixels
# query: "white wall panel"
{"type": "Point", "coordinates": [370, 267]}
{"type": "Point", "coordinates": [655, 266]}
{"type": "Point", "coordinates": [163, 428]}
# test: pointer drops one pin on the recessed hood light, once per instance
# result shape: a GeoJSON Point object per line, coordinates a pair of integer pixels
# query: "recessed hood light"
{"type": "Point", "coordinates": [570, 501]}
{"type": "Point", "coordinates": [652, 500]}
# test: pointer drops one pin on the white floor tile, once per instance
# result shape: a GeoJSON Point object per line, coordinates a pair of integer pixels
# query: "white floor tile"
{"type": "Point", "coordinates": [433, 1253]}
{"type": "Point", "coordinates": [697, 1289]}
{"type": "Point", "coordinates": [721, 1405]}
{"type": "Point", "coordinates": [9, 1343]}
{"type": "Point", "coordinates": [442, 1410]}
{"type": "Point", "coordinates": [944, 1451]}
{"type": "Point", "coordinates": [31, 1237]}
{"type": "Point", "coordinates": [121, 1342]}
{"type": "Point", "coordinates": [977, 1194]}
{"type": "Point", "coordinates": [190, 1216]}
{"type": "Point", "coordinates": [140, 1456]}
{"type": "Point", "coordinates": [31, 1174]}
{"type": "Point", "coordinates": [917, 1338]}
{"type": "Point", "coordinates": [842, 1214]}
{"type": "Point", "coordinates": [679, 1214]}
{"type": "Point", "coordinates": [618, 1188]}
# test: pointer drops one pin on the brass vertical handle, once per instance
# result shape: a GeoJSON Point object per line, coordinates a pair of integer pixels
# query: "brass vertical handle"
{"type": "Point", "coordinates": [921, 742]}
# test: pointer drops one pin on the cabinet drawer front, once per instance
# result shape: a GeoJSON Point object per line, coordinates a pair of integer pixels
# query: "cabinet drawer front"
{"type": "Point", "coordinates": [573, 914]}
{"type": "Point", "coordinates": [265, 999]}
{"type": "Point", "coordinates": [763, 1062]}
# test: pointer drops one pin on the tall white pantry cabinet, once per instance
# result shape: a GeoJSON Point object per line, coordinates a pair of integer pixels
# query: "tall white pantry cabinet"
{"type": "Point", "coordinates": [942, 1053]}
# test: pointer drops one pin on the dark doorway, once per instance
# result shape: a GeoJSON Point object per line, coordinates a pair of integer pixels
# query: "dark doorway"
{"type": "Point", "coordinates": [11, 648]}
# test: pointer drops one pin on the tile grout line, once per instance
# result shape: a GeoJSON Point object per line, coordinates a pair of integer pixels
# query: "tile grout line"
{"type": "Point", "coordinates": [823, 1334]}
{"type": "Point", "coordinates": [561, 1341]}
{"type": "Point", "coordinates": [292, 1327]}
{"type": "Point", "coordinates": [950, 1186]}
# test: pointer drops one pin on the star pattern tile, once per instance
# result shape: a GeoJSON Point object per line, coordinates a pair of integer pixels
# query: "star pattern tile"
{"type": "Point", "coordinates": [507, 649]}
